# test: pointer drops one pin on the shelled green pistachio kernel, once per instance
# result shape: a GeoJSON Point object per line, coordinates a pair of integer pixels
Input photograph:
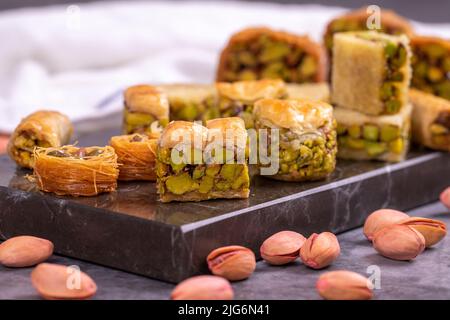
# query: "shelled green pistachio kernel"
{"type": "Point", "coordinates": [180, 184]}
{"type": "Point", "coordinates": [212, 170]}
{"type": "Point", "coordinates": [400, 59]}
{"type": "Point", "coordinates": [198, 172]}
{"type": "Point", "coordinates": [397, 145]}
{"type": "Point", "coordinates": [246, 58]}
{"type": "Point", "coordinates": [355, 143]}
{"type": "Point", "coordinates": [308, 67]}
{"type": "Point", "coordinates": [435, 74]}
{"type": "Point", "coordinates": [273, 51]}
{"type": "Point", "coordinates": [354, 131]}
{"type": "Point", "coordinates": [371, 132]}
{"type": "Point", "coordinates": [374, 149]}
{"type": "Point", "coordinates": [434, 51]}
{"type": "Point", "coordinates": [188, 112]}
{"type": "Point", "coordinates": [438, 129]}
{"type": "Point", "coordinates": [393, 106]}
{"type": "Point", "coordinates": [242, 181]}
{"type": "Point", "coordinates": [389, 132]}
{"type": "Point", "coordinates": [341, 129]}
{"type": "Point", "coordinates": [387, 91]}
{"type": "Point", "coordinates": [206, 184]}
{"type": "Point", "coordinates": [272, 70]}
{"type": "Point", "coordinates": [247, 74]}
{"type": "Point", "coordinates": [390, 49]}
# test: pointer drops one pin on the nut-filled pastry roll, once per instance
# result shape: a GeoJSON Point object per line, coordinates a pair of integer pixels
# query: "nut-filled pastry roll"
{"type": "Point", "coordinates": [258, 53]}
{"type": "Point", "coordinates": [430, 120]}
{"type": "Point", "coordinates": [363, 137]}
{"type": "Point", "coordinates": [371, 72]}
{"type": "Point", "coordinates": [76, 171]}
{"type": "Point", "coordinates": [191, 102]}
{"type": "Point", "coordinates": [136, 156]}
{"type": "Point", "coordinates": [431, 65]}
{"type": "Point", "coordinates": [146, 110]}
{"type": "Point", "coordinates": [237, 98]}
{"type": "Point", "coordinates": [196, 163]}
{"type": "Point", "coordinates": [307, 137]}
{"type": "Point", "coordinates": [40, 129]}
{"type": "Point", "coordinates": [356, 20]}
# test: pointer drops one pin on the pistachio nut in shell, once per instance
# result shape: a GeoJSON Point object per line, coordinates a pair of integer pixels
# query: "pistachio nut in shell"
{"type": "Point", "coordinates": [55, 282]}
{"type": "Point", "coordinates": [445, 197]}
{"type": "Point", "coordinates": [25, 251]}
{"type": "Point", "coordinates": [281, 248]}
{"type": "Point", "coordinates": [232, 262]}
{"type": "Point", "coordinates": [379, 219]}
{"type": "Point", "coordinates": [344, 285]}
{"type": "Point", "coordinates": [320, 250]}
{"type": "Point", "coordinates": [432, 230]}
{"type": "Point", "coordinates": [399, 242]}
{"type": "Point", "coordinates": [203, 288]}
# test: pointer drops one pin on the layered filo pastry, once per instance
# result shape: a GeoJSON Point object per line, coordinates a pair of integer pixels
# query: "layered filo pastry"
{"type": "Point", "coordinates": [191, 102]}
{"type": "Point", "coordinates": [237, 98]}
{"type": "Point", "coordinates": [263, 53]}
{"type": "Point", "coordinates": [74, 171]}
{"type": "Point", "coordinates": [146, 110]}
{"type": "Point", "coordinates": [311, 91]}
{"type": "Point", "coordinates": [196, 163]}
{"type": "Point", "coordinates": [306, 132]}
{"type": "Point", "coordinates": [136, 156]}
{"type": "Point", "coordinates": [357, 20]}
{"type": "Point", "coordinates": [40, 129]}
{"type": "Point", "coordinates": [431, 65]}
{"type": "Point", "coordinates": [364, 137]}
{"type": "Point", "coordinates": [371, 72]}
{"type": "Point", "coordinates": [430, 120]}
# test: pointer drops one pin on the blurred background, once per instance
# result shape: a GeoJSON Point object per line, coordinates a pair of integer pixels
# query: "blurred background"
{"type": "Point", "coordinates": [77, 57]}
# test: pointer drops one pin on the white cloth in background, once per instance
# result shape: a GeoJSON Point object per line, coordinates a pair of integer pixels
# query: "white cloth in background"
{"type": "Point", "coordinates": [72, 58]}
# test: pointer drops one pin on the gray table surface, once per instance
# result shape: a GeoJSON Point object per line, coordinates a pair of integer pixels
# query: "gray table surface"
{"type": "Point", "coordinates": [427, 277]}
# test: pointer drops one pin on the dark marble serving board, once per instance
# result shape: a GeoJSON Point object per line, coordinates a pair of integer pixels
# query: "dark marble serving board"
{"type": "Point", "coordinates": [130, 230]}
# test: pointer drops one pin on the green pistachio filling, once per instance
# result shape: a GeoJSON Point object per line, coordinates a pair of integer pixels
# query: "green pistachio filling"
{"type": "Point", "coordinates": [25, 144]}
{"type": "Point", "coordinates": [307, 156]}
{"type": "Point", "coordinates": [431, 69]}
{"type": "Point", "coordinates": [205, 109]}
{"type": "Point", "coordinates": [183, 178]}
{"type": "Point", "coordinates": [440, 129]}
{"type": "Point", "coordinates": [139, 122]}
{"type": "Point", "coordinates": [372, 139]}
{"type": "Point", "coordinates": [268, 58]}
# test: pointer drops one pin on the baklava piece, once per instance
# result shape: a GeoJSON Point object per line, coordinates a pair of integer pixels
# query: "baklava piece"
{"type": "Point", "coordinates": [363, 137]}
{"type": "Point", "coordinates": [40, 129]}
{"type": "Point", "coordinates": [371, 72]}
{"type": "Point", "coordinates": [258, 53]}
{"type": "Point", "coordinates": [431, 65]}
{"type": "Point", "coordinates": [237, 98]}
{"type": "Point", "coordinates": [146, 110]}
{"type": "Point", "coordinates": [76, 171]}
{"type": "Point", "coordinates": [391, 23]}
{"type": "Point", "coordinates": [196, 163]}
{"type": "Point", "coordinates": [191, 102]}
{"type": "Point", "coordinates": [430, 120]}
{"type": "Point", "coordinates": [136, 155]}
{"type": "Point", "coordinates": [307, 137]}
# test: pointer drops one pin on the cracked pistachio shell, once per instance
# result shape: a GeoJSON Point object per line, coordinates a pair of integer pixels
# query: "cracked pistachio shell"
{"type": "Point", "coordinates": [379, 219]}
{"type": "Point", "coordinates": [25, 251]}
{"type": "Point", "coordinates": [203, 288]}
{"type": "Point", "coordinates": [56, 282]}
{"type": "Point", "coordinates": [281, 248]}
{"type": "Point", "coordinates": [445, 197]}
{"type": "Point", "coordinates": [320, 250]}
{"type": "Point", "coordinates": [232, 262]}
{"type": "Point", "coordinates": [344, 285]}
{"type": "Point", "coordinates": [399, 242]}
{"type": "Point", "coordinates": [432, 230]}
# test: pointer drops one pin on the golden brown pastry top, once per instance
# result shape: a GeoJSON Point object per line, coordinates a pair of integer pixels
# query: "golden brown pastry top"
{"type": "Point", "coordinates": [250, 91]}
{"type": "Point", "coordinates": [183, 132]}
{"type": "Point", "coordinates": [301, 41]}
{"type": "Point", "coordinates": [230, 129]}
{"type": "Point", "coordinates": [434, 104]}
{"type": "Point", "coordinates": [389, 20]}
{"type": "Point", "coordinates": [147, 99]}
{"type": "Point", "coordinates": [424, 40]}
{"type": "Point", "coordinates": [295, 114]}
{"type": "Point", "coordinates": [373, 37]}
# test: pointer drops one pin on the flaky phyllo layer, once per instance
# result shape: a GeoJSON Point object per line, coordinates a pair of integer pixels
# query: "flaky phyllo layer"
{"type": "Point", "coordinates": [306, 134]}
{"type": "Point", "coordinates": [262, 53]}
{"type": "Point", "coordinates": [204, 167]}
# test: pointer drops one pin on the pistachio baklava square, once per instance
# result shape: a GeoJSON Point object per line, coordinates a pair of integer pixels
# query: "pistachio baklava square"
{"type": "Point", "coordinates": [305, 132]}
{"type": "Point", "coordinates": [431, 65]}
{"type": "Point", "coordinates": [146, 110]}
{"type": "Point", "coordinates": [430, 120]}
{"type": "Point", "coordinates": [364, 137]}
{"type": "Point", "coordinates": [371, 72]}
{"type": "Point", "coordinates": [263, 53]}
{"type": "Point", "coordinates": [196, 163]}
{"type": "Point", "coordinates": [237, 98]}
